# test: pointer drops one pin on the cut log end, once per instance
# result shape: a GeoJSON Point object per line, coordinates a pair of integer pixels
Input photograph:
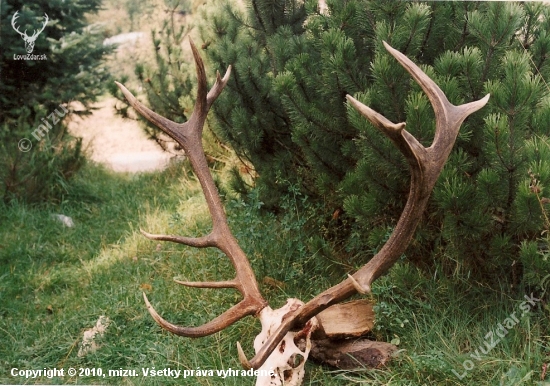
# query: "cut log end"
{"type": "Point", "coordinates": [336, 342]}
{"type": "Point", "coordinates": [346, 320]}
{"type": "Point", "coordinates": [352, 354]}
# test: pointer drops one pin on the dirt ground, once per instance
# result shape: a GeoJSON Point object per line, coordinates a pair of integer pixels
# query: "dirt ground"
{"type": "Point", "coordinates": [118, 143]}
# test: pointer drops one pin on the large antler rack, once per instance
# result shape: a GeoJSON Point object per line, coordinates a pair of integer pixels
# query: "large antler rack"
{"type": "Point", "coordinates": [425, 165]}
{"type": "Point", "coordinates": [189, 136]}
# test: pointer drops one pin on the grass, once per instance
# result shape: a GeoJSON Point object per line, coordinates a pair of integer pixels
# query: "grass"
{"type": "Point", "coordinates": [55, 282]}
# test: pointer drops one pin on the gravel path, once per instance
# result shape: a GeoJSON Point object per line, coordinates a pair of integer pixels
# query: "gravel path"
{"type": "Point", "coordinates": [118, 143]}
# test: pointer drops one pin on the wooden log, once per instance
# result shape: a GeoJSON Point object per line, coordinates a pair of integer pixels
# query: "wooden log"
{"type": "Point", "coordinates": [345, 320]}
{"type": "Point", "coordinates": [336, 341]}
{"type": "Point", "coordinates": [351, 354]}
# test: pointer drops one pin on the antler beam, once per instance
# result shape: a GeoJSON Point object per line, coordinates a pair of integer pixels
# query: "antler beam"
{"type": "Point", "coordinates": [189, 136]}
{"type": "Point", "coordinates": [425, 165]}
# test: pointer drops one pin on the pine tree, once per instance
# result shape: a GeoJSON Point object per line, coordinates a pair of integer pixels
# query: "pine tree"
{"type": "Point", "coordinates": [168, 82]}
{"type": "Point", "coordinates": [284, 110]}
{"type": "Point", "coordinates": [35, 95]}
{"type": "Point", "coordinates": [253, 112]}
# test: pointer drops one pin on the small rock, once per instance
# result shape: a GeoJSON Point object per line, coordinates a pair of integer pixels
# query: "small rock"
{"type": "Point", "coordinates": [65, 220]}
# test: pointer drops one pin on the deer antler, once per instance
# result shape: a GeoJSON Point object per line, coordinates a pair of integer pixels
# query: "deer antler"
{"type": "Point", "coordinates": [425, 165]}
{"type": "Point", "coordinates": [188, 135]}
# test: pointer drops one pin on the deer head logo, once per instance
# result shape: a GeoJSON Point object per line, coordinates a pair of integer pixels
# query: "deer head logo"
{"type": "Point", "coordinates": [29, 40]}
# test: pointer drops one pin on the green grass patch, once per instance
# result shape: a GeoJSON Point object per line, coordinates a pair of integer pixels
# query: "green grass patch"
{"type": "Point", "coordinates": [55, 282]}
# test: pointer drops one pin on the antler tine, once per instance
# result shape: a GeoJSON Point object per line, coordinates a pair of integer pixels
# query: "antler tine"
{"type": "Point", "coordinates": [204, 99]}
{"type": "Point", "coordinates": [203, 103]}
{"type": "Point", "coordinates": [235, 313]}
{"type": "Point", "coordinates": [425, 165]}
{"type": "Point", "coordinates": [197, 242]}
{"type": "Point", "coordinates": [189, 136]}
{"type": "Point", "coordinates": [405, 142]}
{"type": "Point", "coordinates": [169, 127]}
{"type": "Point", "coordinates": [209, 284]}
{"type": "Point", "coordinates": [448, 116]}
{"type": "Point", "coordinates": [218, 87]}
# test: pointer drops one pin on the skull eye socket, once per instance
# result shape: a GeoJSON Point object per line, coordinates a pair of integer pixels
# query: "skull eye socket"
{"type": "Point", "coordinates": [296, 360]}
{"type": "Point", "coordinates": [287, 374]}
{"type": "Point", "coordinates": [301, 343]}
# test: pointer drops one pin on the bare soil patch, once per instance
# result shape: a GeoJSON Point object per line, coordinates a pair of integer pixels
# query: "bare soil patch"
{"type": "Point", "coordinates": [116, 142]}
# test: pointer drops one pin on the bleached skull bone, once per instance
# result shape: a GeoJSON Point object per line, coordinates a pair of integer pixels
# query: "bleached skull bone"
{"type": "Point", "coordinates": [289, 358]}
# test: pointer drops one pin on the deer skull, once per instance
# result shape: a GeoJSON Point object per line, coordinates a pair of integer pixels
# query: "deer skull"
{"type": "Point", "coordinates": [287, 361]}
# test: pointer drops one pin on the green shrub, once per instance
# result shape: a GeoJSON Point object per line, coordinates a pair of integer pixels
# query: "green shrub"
{"type": "Point", "coordinates": [284, 110]}
{"type": "Point", "coordinates": [37, 154]}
